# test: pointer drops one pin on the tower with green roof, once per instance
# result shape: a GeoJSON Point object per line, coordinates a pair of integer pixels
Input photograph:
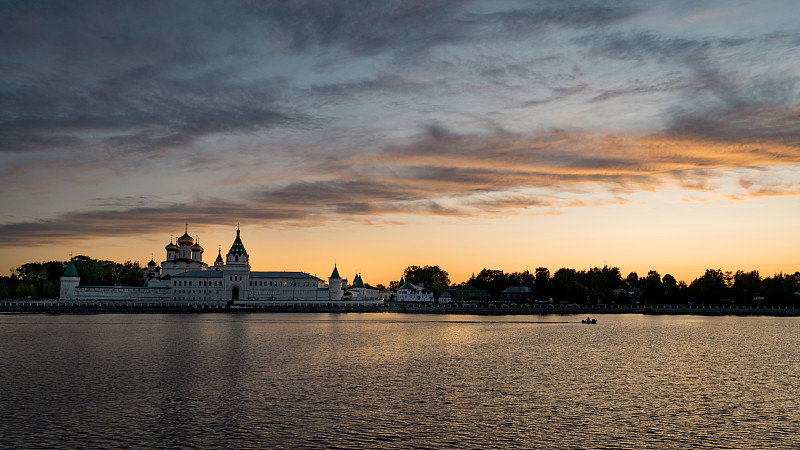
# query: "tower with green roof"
{"type": "Point", "coordinates": [69, 281]}
{"type": "Point", "coordinates": [236, 271]}
{"type": "Point", "coordinates": [335, 285]}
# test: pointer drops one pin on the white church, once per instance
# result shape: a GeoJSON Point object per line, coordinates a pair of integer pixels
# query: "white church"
{"type": "Point", "coordinates": [183, 276]}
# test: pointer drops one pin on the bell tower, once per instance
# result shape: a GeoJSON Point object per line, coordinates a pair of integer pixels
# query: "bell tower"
{"type": "Point", "coordinates": [236, 271]}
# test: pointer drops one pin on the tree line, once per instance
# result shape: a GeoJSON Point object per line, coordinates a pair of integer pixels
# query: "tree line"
{"type": "Point", "coordinates": [608, 286]}
{"type": "Point", "coordinates": [597, 285]}
{"type": "Point", "coordinates": [42, 280]}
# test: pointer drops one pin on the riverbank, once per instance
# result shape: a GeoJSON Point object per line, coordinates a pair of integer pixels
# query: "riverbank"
{"type": "Point", "coordinates": [56, 307]}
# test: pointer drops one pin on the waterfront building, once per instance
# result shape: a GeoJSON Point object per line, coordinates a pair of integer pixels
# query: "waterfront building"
{"type": "Point", "coordinates": [516, 294]}
{"type": "Point", "coordinates": [408, 292]}
{"type": "Point", "coordinates": [183, 276]}
{"type": "Point", "coordinates": [361, 290]}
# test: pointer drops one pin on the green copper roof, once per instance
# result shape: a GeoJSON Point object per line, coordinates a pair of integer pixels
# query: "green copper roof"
{"type": "Point", "coordinates": [358, 282]}
{"type": "Point", "coordinates": [71, 270]}
{"type": "Point", "coordinates": [335, 273]}
{"type": "Point", "coordinates": [237, 248]}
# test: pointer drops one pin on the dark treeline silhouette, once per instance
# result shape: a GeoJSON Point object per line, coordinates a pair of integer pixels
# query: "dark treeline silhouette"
{"type": "Point", "coordinates": [42, 280]}
{"type": "Point", "coordinates": [607, 286]}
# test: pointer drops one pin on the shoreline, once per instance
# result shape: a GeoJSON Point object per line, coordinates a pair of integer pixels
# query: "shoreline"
{"type": "Point", "coordinates": [55, 307]}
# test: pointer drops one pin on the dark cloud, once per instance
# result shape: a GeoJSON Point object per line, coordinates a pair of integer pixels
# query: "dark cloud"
{"type": "Point", "coordinates": [572, 14]}
{"type": "Point", "coordinates": [158, 75]}
{"type": "Point", "coordinates": [759, 128]}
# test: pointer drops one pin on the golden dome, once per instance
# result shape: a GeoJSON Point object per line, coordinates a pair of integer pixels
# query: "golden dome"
{"type": "Point", "coordinates": [197, 248]}
{"type": "Point", "coordinates": [171, 247]}
{"type": "Point", "coordinates": [185, 239]}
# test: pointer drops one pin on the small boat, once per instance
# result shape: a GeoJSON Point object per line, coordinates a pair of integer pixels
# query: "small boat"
{"type": "Point", "coordinates": [588, 320]}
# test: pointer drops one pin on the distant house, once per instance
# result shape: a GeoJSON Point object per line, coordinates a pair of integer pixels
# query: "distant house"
{"type": "Point", "coordinates": [361, 291]}
{"type": "Point", "coordinates": [407, 292]}
{"type": "Point", "coordinates": [618, 293]}
{"type": "Point", "coordinates": [516, 294]}
{"type": "Point", "coordinates": [468, 295]}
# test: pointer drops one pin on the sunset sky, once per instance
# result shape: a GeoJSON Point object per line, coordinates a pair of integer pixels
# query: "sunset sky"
{"type": "Point", "coordinates": [376, 135]}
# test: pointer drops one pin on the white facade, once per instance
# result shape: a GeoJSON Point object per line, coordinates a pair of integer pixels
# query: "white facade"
{"type": "Point", "coordinates": [225, 285]}
{"type": "Point", "coordinates": [121, 293]}
{"type": "Point", "coordinates": [68, 287]}
{"type": "Point", "coordinates": [408, 293]}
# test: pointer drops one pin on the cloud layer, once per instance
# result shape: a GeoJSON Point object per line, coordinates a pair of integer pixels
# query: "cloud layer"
{"type": "Point", "coordinates": [311, 112]}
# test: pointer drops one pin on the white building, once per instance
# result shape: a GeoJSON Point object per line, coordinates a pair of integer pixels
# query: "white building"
{"type": "Point", "coordinates": [407, 292]}
{"type": "Point", "coordinates": [361, 291]}
{"type": "Point", "coordinates": [185, 257]}
{"type": "Point", "coordinates": [183, 276]}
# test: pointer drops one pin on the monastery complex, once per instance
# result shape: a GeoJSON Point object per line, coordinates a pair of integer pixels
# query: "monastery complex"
{"type": "Point", "coordinates": [184, 277]}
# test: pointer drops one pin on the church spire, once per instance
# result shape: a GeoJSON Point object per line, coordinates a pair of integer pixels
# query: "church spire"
{"type": "Point", "coordinates": [237, 248]}
{"type": "Point", "coordinates": [335, 274]}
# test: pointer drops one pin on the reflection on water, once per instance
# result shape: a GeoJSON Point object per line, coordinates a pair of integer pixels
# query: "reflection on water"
{"type": "Point", "coordinates": [398, 381]}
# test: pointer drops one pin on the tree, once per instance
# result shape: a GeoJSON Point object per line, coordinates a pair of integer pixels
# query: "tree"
{"type": "Point", "coordinates": [434, 277]}
{"type": "Point", "coordinates": [566, 287]}
{"type": "Point", "coordinates": [129, 274]}
{"type": "Point", "coordinates": [520, 279]}
{"type": "Point", "coordinates": [672, 290]}
{"type": "Point", "coordinates": [613, 278]}
{"type": "Point", "coordinates": [42, 280]}
{"type": "Point", "coordinates": [746, 285]}
{"type": "Point", "coordinates": [710, 287]}
{"type": "Point", "coordinates": [632, 280]}
{"type": "Point", "coordinates": [653, 287]}
{"type": "Point", "coordinates": [490, 280]}
{"type": "Point", "coordinates": [541, 283]}
{"type": "Point", "coordinates": [781, 289]}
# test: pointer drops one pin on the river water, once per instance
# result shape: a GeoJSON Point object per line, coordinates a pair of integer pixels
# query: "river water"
{"type": "Point", "coordinates": [386, 380]}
